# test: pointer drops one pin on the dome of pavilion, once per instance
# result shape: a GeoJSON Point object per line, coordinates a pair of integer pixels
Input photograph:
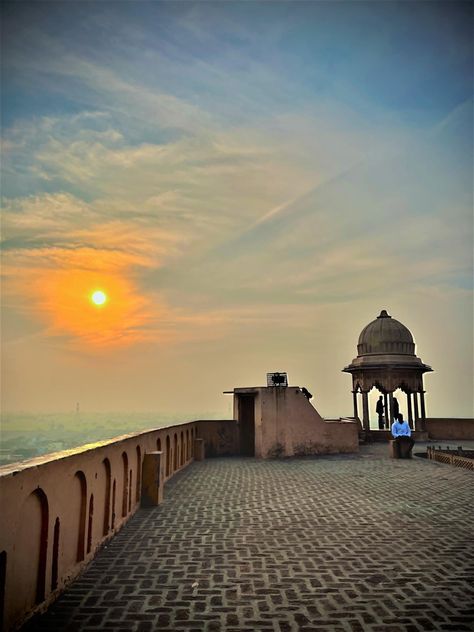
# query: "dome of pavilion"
{"type": "Point", "coordinates": [385, 335]}
{"type": "Point", "coordinates": [383, 343]}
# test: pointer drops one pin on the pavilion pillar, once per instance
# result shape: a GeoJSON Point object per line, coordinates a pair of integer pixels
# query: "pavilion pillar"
{"type": "Point", "coordinates": [365, 408]}
{"type": "Point", "coordinates": [415, 406]}
{"type": "Point", "coordinates": [354, 399]}
{"type": "Point", "coordinates": [423, 411]}
{"type": "Point", "coordinates": [410, 414]}
{"type": "Point", "coordinates": [387, 411]}
{"type": "Point", "coordinates": [390, 395]}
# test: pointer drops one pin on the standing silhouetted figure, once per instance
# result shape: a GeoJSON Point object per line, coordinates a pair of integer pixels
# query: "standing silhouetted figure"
{"type": "Point", "coordinates": [379, 410]}
{"type": "Point", "coordinates": [396, 409]}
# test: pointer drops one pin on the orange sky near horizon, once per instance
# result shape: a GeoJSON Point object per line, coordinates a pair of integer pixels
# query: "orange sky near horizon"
{"type": "Point", "coordinates": [64, 302]}
{"type": "Point", "coordinates": [59, 296]}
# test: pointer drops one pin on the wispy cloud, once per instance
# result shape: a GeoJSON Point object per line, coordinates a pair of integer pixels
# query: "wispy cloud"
{"type": "Point", "coordinates": [232, 171]}
{"type": "Point", "coordinates": [184, 217]}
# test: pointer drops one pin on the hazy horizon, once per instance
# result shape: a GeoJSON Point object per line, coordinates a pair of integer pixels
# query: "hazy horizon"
{"type": "Point", "coordinates": [25, 436]}
{"type": "Point", "coordinates": [248, 184]}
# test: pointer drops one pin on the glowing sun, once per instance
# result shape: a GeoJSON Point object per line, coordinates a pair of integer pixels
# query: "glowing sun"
{"type": "Point", "coordinates": [99, 298]}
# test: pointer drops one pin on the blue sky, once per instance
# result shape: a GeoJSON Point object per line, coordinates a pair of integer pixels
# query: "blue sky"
{"type": "Point", "coordinates": [256, 181]}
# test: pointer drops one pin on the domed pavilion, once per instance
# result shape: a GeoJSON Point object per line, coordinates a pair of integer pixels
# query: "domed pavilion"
{"type": "Point", "coordinates": [386, 360]}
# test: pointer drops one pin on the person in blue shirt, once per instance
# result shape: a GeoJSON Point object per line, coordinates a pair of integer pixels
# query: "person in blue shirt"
{"type": "Point", "coordinates": [401, 431]}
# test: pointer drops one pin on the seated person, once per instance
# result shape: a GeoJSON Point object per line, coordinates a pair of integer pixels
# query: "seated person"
{"type": "Point", "coordinates": [401, 431]}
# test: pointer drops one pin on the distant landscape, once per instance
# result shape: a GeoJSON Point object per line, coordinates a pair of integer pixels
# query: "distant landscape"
{"type": "Point", "coordinates": [23, 436]}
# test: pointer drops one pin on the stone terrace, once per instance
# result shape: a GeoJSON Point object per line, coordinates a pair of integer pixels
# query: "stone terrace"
{"type": "Point", "coordinates": [336, 543]}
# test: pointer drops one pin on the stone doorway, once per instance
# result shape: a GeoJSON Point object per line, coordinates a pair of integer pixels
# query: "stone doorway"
{"type": "Point", "coordinates": [247, 424]}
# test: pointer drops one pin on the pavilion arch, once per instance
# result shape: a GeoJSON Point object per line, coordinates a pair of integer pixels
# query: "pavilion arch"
{"type": "Point", "coordinates": [182, 448]}
{"type": "Point", "coordinates": [378, 385]}
{"type": "Point", "coordinates": [386, 361]}
{"type": "Point", "coordinates": [158, 444]}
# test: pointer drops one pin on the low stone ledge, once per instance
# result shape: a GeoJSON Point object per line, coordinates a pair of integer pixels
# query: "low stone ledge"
{"type": "Point", "coordinates": [451, 457]}
{"type": "Point", "coordinates": [450, 428]}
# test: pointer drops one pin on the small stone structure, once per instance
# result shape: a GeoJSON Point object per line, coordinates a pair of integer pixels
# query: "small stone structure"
{"type": "Point", "coordinates": [386, 360]}
{"type": "Point", "coordinates": [400, 448]}
{"type": "Point", "coordinates": [276, 421]}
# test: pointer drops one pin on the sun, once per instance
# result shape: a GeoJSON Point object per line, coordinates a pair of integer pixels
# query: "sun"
{"type": "Point", "coordinates": [99, 298]}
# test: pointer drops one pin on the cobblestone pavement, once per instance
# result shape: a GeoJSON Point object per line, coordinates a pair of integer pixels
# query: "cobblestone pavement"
{"type": "Point", "coordinates": [337, 543]}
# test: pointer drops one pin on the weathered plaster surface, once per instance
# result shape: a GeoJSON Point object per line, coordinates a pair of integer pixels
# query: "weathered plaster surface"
{"type": "Point", "coordinates": [58, 509]}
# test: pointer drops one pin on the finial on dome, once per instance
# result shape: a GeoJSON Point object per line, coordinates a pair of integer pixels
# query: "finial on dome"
{"type": "Point", "coordinates": [384, 314]}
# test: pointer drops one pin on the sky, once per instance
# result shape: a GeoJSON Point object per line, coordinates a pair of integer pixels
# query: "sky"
{"type": "Point", "coordinates": [249, 183]}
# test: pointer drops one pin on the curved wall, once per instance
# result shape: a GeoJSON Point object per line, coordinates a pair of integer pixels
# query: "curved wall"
{"type": "Point", "coordinates": [58, 509]}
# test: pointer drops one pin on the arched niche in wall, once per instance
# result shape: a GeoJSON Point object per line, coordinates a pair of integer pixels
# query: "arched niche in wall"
{"type": "Point", "coordinates": [3, 577]}
{"type": "Point", "coordinates": [159, 449]}
{"type": "Point", "coordinates": [139, 474]}
{"type": "Point", "coordinates": [168, 455]}
{"type": "Point", "coordinates": [105, 484]}
{"type": "Point", "coordinates": [55, 561]}
{"type": "Point", "coordinates": [90, 523]}
{"type": "Point", "coordinates": [73, 525]}
{"type": "Point", "coordinates": [81, 515]}
{"type": "Point", "coordinates": [28, 578]}
{"type": "Point", "coordinates": [124, 484]}
{"type": "Point", "coordinates": [114, 495]}
{"type": "Point", "coordinates": [175, 452]}
{"type": "Point", "coordinates": [130, 487]}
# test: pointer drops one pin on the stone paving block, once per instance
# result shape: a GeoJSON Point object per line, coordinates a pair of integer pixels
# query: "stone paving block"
{"type": "Point", "coordinates": [337, 544]}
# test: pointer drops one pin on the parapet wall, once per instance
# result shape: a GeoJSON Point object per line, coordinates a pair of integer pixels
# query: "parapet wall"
{"type": "Point", "coordinates": [221, 438]}
{"type": "Point", "coordinates": [58, 509]}
{"type": "Point", "coordinates": [449, 428]}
